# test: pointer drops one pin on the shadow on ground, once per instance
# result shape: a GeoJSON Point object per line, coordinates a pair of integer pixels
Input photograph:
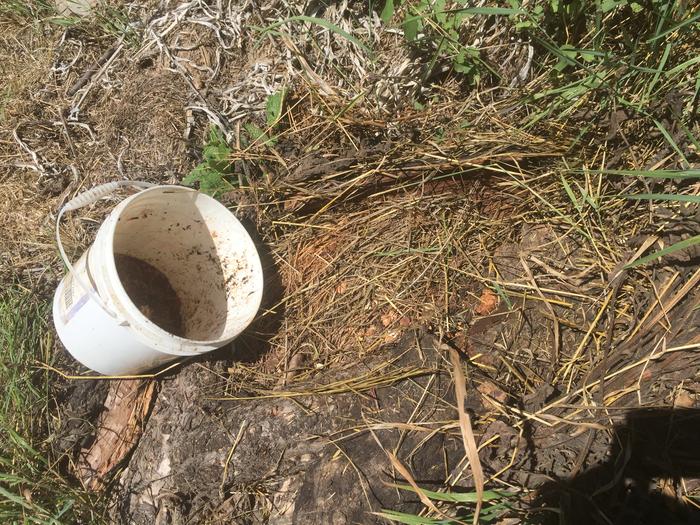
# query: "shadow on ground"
{"type": "Point", "coordinates": [641, 483]}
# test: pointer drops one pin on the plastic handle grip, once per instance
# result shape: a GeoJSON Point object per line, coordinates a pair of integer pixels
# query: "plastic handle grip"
{"type": "Point", "coordinates": [96, 193]}
{"type": "Point", "coordinates": [79, 201]}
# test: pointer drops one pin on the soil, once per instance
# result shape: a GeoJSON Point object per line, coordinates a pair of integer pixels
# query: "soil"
{"type": "Point", "coordinates": [316, 459]}
{"type": "Point", "coordinates": [150, 290]}
{"type": "Point", "coordinates": [295, 461]}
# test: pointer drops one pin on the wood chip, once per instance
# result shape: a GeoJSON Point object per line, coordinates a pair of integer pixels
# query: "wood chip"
{"type": "Point", "coordinates": [119, 429]}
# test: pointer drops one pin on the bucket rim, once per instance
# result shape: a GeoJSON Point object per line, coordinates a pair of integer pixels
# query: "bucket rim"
{"type": "Point", "coordinates": [136, 320]}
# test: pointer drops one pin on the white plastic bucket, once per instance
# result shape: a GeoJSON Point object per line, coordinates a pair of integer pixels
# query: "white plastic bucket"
{"type": "Point", "coordinates": [207, 256]}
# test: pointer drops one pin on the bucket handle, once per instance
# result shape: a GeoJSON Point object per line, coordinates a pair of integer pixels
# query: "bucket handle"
{"type": "Point", "coordinates": [79, 201]}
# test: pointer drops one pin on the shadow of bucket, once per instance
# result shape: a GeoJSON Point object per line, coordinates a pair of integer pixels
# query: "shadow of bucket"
{"type": "Point", "coordinates": [205, 253]}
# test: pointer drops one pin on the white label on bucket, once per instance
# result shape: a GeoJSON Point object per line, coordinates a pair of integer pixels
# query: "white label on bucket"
{"type": "Point", "coordinates": [73, 298]}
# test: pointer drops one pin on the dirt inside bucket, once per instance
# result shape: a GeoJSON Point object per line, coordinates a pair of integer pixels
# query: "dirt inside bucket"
{"type": "Point", "coordinates": [151, 291]}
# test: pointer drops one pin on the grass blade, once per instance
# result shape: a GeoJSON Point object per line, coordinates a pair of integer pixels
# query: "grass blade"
{"type": "Point", "coordinates": [410, 519]}
{"type": "Point", "coordinates": [678, 26]}
{"type": "Point", "coordinates": [489, 11]}
{"type": "Point", "coordinates": [408, 477]}
{"type": "Point", "coordinates": [681, 67]}
{"type": "Point", "coordinates": [656, 174]}
{"type": "Point", "coordinates": [663, 197]}
{"type": "Point", "coordinates": [659, 70]}
{"type": "Point", "coordinates": [319, 22]}
{"type": "Point", "coordinates": [570, 193]}
{"type": "Point", "coordinates": [681, 245]}
{"type": "Point", "coordinates": [465, 426]}
{"type": "Point", "coordinates": [670, 141]}
{"type": "Point", "coordinates": [456, 497]}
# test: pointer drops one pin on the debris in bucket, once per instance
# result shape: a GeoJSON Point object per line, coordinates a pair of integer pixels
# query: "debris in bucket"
{"type": "Point", "coordinates": [150, 290]}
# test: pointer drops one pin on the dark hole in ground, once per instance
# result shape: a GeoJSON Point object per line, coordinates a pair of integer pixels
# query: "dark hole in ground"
{"type": "Point", "coordinates": [653, 446]}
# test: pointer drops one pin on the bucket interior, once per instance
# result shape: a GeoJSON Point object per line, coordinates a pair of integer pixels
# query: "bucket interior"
{"type": "Point", "coordinates": [203, 252]}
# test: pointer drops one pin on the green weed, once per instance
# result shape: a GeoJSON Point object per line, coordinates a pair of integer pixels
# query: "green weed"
{"type": "Point", "coordinates": [273, 114]}
{"type": "Point", "coordinates": [434, 28]}
{"type": "Point", "coordinates": [214, 173]}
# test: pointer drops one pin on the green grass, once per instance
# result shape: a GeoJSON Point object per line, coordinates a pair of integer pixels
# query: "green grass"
{"type": "Point", "coordinates": [22, 10]}
{"type": "Point", "coordinates": [31, 488]}
{"type": "Point", "coordinates": [607, 56]}
{"type": "Point", "coordinates": [104, 20]}
{"type": "Point", "coordinates": [461, 503]}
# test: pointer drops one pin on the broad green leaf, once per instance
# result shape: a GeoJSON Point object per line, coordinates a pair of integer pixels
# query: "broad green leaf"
{"type": "Point", "coordinates": [212, 182]}
{"type": "Point", "coordinates": [567, 56]}
{"type": "Point", "coordinates": [216, 152]}
{"type": "Point", "coordinates": [258, 136]}
{"type": "Point", "coordinates": [273, 107]}
{"type": "Point", "coordinates": [411, 26]}
{"type": "Point", "coordinates": [195, 175]}
{"type": "Point", "coordinates": [568, 51]}
{"type": "Point", "coordinates": [388, 11]}
{"type": "Point", "coordinates": [216, 136]}
{"type": "Point", "coordinates": [461, 67]}
{"type": "Point", "coordinates": [608, 5]}
{"type": "Point", "coordinates": [588, 56]}
{"type": "Point", "coordinates": [255, 132]}
{"type": "Point", "coordinates": [440, 15]}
